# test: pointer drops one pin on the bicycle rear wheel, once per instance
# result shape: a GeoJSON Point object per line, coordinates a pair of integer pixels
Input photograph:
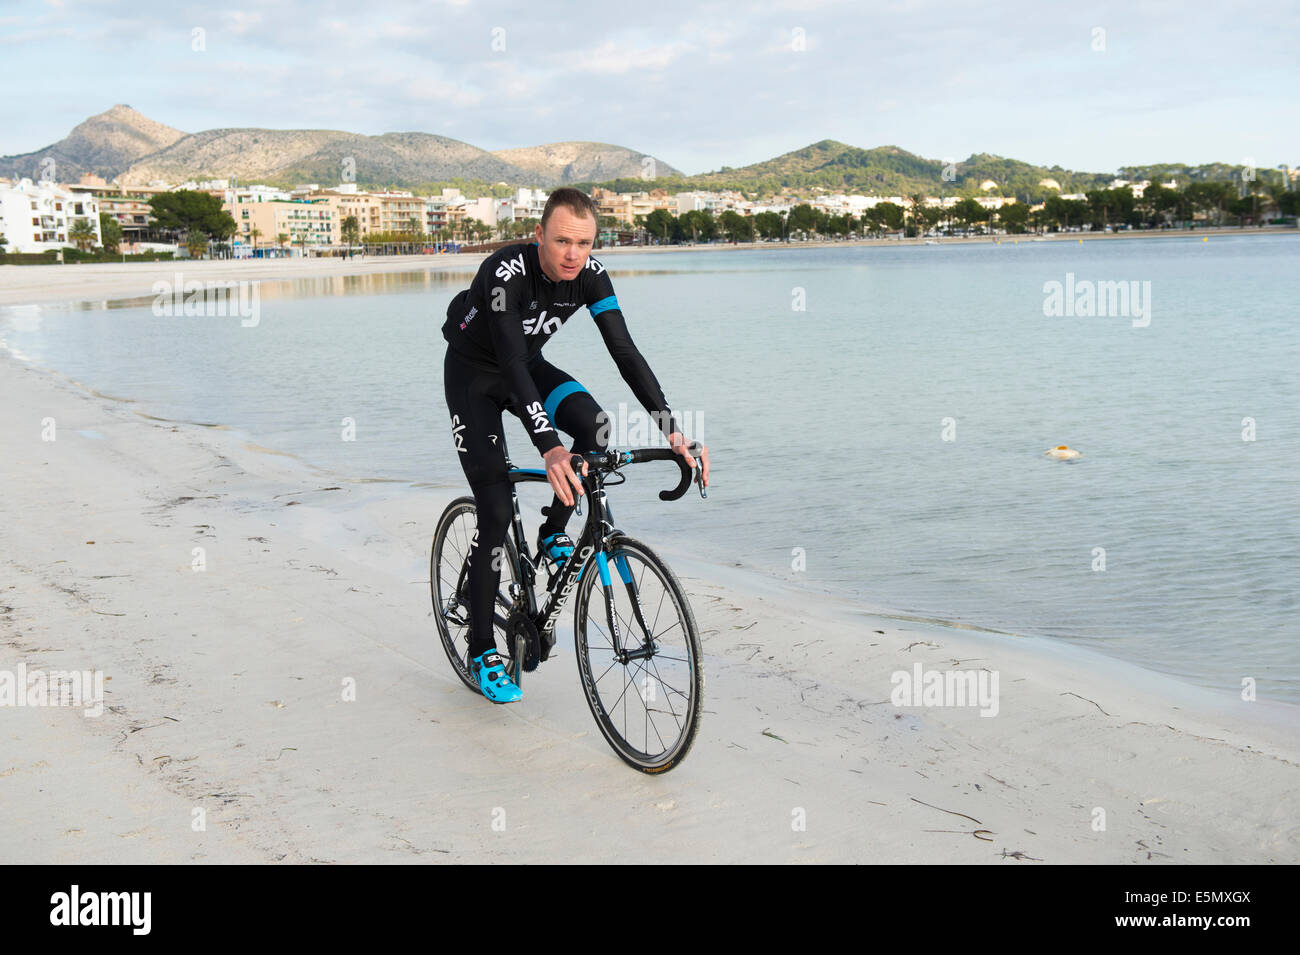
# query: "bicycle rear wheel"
{"type": "Point", "coordinates": [641, 672]}
{"type": "Point", "coordinates": [449, 587]}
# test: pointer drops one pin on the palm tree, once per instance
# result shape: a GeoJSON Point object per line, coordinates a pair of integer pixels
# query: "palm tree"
{"type": "Point", "coordinates": [255, 234]}
{"type": "Point", "coordinates": [82, 234]}
{"type": "Point", "coordinates": [918, 222]}
{"type": "Point", "coordinates": [351, 233]}
{"type": "Point", "coordinates": [281, 239]}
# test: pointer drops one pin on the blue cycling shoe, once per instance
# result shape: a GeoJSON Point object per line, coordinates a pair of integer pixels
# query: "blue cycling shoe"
{"type": "Point", "coordinates": [558, 548]}
{"type": "Point", "coordinates": [493, 680]}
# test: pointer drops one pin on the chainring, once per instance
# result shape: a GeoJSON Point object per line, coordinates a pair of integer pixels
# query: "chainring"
{"type": "Point", "coordinates": [518, 624]}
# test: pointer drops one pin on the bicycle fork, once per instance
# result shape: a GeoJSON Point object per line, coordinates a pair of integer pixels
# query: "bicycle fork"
{"type": "Point", "coordinates": [647, 647]}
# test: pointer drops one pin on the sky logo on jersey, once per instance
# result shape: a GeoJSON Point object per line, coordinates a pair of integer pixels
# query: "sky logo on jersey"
{"type": "Point", "coordinates": [594, 265]}
{"type": "Point", "coordinates": [508, 269]}
{"type": "Point", "coordinates": [541, 325]}
{"type": "Point", "coordinates": [456, 429]}
{"type": "Point", "coordinates": [538, 413]}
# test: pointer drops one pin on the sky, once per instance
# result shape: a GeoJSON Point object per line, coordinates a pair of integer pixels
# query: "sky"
{"type": "Point", "coordinates": [699, 85]}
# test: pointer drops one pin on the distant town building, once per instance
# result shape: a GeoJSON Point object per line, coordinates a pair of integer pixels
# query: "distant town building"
{"type": "Point", "coordinates": [625, 207]}
{"type": "Point", "coordinates": [127, 205]}
{"type": "Point", "coordinates": [38, 216]}
{"type": "Point", "coordinates": [484, 209]}
{"type": "Point", "coordinates": [274, 222]}
{"type": "Point", "coordinates": [528, 204]}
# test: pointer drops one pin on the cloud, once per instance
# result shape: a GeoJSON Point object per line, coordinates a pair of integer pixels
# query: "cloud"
{"type": "Point", "coordinates": [611, 57]}
{"type": "Point", "coordinates": [42, 35]}
{"type": "Point", "coordinates": [700, 83]}
{"type": "Point", "coordinates": [238, 22]}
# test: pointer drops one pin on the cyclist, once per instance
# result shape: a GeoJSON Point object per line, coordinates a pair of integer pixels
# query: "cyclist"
{"type": "Point", "coordinates": [521, 295]}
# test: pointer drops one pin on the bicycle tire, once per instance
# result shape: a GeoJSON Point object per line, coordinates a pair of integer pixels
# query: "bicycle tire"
{"type": "Point", "coordinates": [596, 660]}
{"type": "Point", "coordinates": [455, 634]}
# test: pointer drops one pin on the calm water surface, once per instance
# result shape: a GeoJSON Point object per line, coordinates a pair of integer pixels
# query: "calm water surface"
{"type": "Point", "coordinates": [876, 418]}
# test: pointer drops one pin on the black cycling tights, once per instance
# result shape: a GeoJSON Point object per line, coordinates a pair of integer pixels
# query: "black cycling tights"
{"type": "Point", "coordinates": [475, 400]}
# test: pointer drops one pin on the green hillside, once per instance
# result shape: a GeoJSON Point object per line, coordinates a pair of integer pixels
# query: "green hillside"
{"type": "Point", "coordinates": [830, 166]}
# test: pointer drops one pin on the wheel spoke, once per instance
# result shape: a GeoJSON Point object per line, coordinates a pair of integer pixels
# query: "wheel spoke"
{"type": "Point", "coordinates": [611, 666]}
{"type": "Point", "coordinates": [601, 631]}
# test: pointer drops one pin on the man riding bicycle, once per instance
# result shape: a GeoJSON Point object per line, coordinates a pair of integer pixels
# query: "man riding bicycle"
{"type": "Point", "coordinates": [495, 331]}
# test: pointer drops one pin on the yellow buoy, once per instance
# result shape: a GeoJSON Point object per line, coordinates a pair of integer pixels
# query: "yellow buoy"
{"type": "Point", "coordinates": [1062, 453]}
{"type": "Point", "coordinates": [1205, 238]}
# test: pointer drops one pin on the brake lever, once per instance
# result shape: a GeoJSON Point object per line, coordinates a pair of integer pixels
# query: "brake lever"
{"type": "Point", "coordinates": [695, 449]}
{"type": "Point", "coordinates": [575, 462]}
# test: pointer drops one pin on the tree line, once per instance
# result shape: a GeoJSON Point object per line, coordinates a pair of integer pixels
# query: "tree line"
{"type": "Point", "coordinates": [1158, 208]}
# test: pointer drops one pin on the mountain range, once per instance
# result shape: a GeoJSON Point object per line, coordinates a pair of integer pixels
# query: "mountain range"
{"type": "Point", "coordinates": [125, 145]}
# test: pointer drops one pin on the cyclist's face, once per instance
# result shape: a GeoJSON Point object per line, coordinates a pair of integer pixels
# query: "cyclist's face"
{"type": "Point", "coordinates": [565, 243]}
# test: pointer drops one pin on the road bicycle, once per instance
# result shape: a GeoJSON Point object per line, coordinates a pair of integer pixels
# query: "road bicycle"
{"type": "Point", "coordinates": [637, 647]}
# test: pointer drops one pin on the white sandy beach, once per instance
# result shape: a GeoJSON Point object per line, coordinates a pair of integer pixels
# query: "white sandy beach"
{"type": "Point", "coordinates": [224, 694]}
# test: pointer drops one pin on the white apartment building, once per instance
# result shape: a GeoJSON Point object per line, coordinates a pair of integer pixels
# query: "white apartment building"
{"type": "Point", "coordinates": [504, 212]}
{"type": "Point", "coordinates": [207, 185]}
{"type": "Point", "coordinates": [947, 202]}
{"type": "Point", "coordinates": [36, 217]}
{"type": "Point", "coordinates": [1139, 188]}
{"type": "Point", "coordinates": [840, 204]}
{"type": "Point", "coordinates": [484, 209]}
{"type": "Point", "coordinates": [255, 194]}
{"type": "Point", "coordinates": [780, 208]}
{"type": "Point", "coordinates": [691, 201]}
{"type": "Point", "coordinates": [527, 204]}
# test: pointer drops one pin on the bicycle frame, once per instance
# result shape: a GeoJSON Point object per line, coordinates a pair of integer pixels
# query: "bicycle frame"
{"type": "Point", "coordinates": [594, 538]}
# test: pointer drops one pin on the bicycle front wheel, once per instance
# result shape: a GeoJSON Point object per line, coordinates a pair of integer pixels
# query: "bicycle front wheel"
{"type": "Point", "coordinates": [639, 655]}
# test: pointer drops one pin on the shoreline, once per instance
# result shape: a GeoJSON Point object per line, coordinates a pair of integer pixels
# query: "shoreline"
{"type": "Point", "coordinates": [237, 442]}
{"type": "Point", "coordinates": [105, 282]}
{"type": "Point", "coordinates": [224, 696]}
{"type": "Point", "coordinates": [382, 266]}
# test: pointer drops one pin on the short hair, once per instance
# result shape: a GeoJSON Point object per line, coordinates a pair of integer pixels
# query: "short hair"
{"type": "Point", "coordinates": [576, 201]}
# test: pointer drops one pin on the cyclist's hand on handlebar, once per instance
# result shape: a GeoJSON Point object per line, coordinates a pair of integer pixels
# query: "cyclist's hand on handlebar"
{"type": "Point", "coordinates": [560, 474]}
{"type": "Point", "coordinates": [679, 445]}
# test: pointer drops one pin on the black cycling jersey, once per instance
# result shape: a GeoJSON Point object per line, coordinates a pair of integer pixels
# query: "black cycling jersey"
{"type": "Point", "coordinates": [511, 310]}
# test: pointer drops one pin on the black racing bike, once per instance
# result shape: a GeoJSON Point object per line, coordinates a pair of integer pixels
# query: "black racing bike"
{"type": "Point", "coordinates": [637, 647]}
